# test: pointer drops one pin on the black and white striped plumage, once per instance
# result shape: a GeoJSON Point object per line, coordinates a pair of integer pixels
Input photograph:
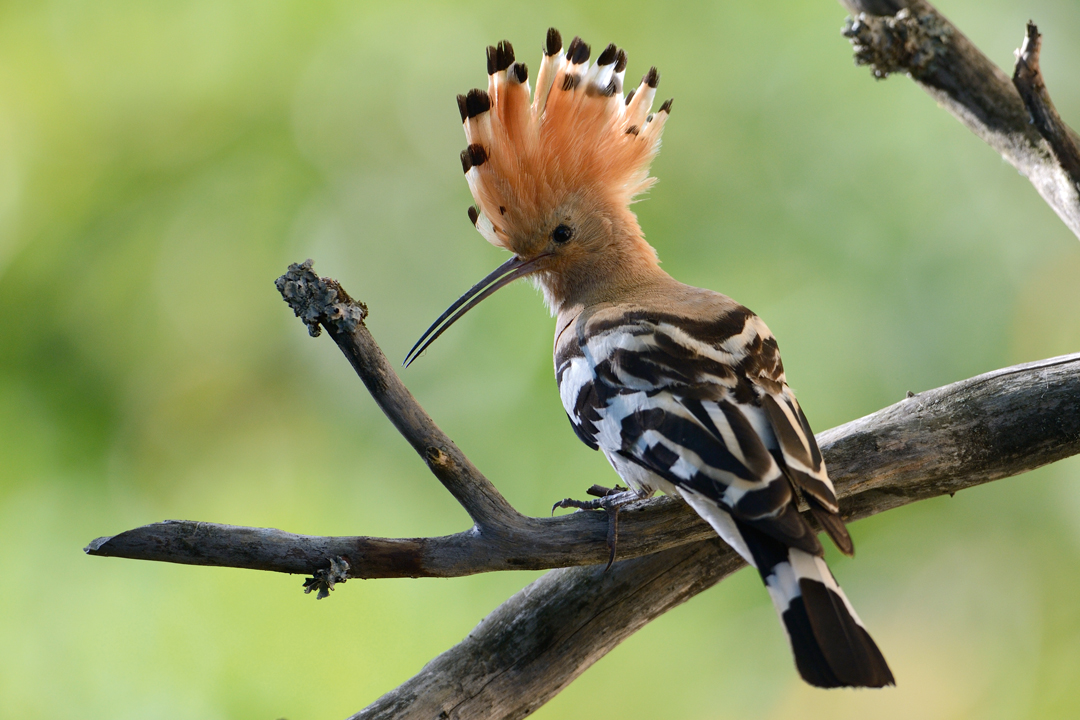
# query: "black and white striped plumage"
{"type": "Point", "coordinates": [681, 388]}
{"type": "Point", "coordinates": [697, 405]}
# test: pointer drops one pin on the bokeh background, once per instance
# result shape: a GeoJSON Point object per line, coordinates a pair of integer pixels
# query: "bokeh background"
{"type": "Point", "coordinates": [161, 163]}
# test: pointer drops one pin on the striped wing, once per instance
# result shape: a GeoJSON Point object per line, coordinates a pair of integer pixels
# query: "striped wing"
{"type": "Point", "coordinates": [705, 407]}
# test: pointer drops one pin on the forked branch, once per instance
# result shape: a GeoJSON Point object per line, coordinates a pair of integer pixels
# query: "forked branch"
{"type": "Point", "coordinates": [934, 443]}
{"type": "Point", "coordinates": [938, 442]}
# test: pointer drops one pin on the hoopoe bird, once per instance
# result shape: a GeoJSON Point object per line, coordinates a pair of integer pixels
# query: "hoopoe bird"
{"type": "Point", "coordinates": [681, 388]}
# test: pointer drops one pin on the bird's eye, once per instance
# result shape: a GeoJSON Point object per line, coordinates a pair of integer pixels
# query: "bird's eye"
{"type": "Point", "coordinates": [562, 234]}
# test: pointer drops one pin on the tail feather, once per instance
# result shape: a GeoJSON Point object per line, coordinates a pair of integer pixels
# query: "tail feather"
{"type": "Point", "coordinates": [830, 644]}
{"type": "Point", "coordinates": [831, 647]}
{"type": "Point", "coordinates": [837, 637]}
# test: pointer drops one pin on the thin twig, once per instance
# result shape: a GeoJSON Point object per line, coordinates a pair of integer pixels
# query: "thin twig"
{"type": "Point", "coordinates": [1028, 79]}
{"type": "Point", "coordinates": [322, 302]}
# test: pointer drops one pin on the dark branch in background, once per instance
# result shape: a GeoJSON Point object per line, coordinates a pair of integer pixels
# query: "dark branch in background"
{"type": "Point", "coordinates": [912, 37]}
{"type": "Point", "coordinates": [935, 443]}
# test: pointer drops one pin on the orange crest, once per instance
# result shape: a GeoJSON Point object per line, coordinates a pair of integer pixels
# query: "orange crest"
{"type": "Point", "coordinates": [577, 134]}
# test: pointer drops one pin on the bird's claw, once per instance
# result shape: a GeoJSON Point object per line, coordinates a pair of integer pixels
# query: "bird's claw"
{"type": "Point", "coordinates": [610, 500]}
{"type": "Point", "coordinates": [578, 504]}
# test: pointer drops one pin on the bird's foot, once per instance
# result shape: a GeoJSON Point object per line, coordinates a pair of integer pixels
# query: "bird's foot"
{"type": "Point", "coordinates": [610, 500]}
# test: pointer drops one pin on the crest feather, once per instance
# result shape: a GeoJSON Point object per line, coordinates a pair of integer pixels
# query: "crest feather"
{"type": "Point", "coordinates": [577, 133]}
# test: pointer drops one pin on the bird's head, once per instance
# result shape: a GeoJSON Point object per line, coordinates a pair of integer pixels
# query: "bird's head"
{"type": "Point", "coordinates": [553, 175]}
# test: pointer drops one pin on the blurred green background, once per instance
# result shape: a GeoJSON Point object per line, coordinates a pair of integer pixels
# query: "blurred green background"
{"type": "Point", "coordinates": [161, 163]}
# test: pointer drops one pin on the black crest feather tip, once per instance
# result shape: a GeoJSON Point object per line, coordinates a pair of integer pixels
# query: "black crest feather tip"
{"type": "Point", "coordinates": [554, 42]}
{"type": "Point", "coordinates": [608, 56]}
{"type": "Point", "coordinates": [477, 155]}
{"type": "Point", "coordinates": [477, 102]}
{"type": "Point", "coordinates": [573, 48]}
{"type": "Point", "coordinates": [581, 53]}
{"type": "Point", "coordinates": [504, 55]}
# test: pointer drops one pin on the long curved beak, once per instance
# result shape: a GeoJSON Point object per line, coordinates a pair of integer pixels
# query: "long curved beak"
{"type": "Point", "coordinates": [501, 276]}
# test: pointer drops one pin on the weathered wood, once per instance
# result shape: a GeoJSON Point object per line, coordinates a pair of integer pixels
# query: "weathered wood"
{"type": "Point", "coordinates": [528, 649]}
{"type": "Point", "coordinates": [536, 643]}
{"type": "Point", "coordinates": [534, 544]}
{"type": "Point", "coordinates": [920, 41]}
{"type": "Point", "coordinates": [941, 441]}
{"type": "Point", "coordinates": [937, 442]}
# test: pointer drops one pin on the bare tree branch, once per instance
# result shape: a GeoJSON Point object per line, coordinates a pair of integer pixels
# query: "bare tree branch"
{"type": "Point", "coordinates": [502, 539]}
{"type": "Point", "coordinates": [937, 431]}
{"type": "Point", "coordinates": [941, 441]}
{"type": "Point", "coordinates": [537, 642]}
{"type": "Point", "coordinates": [911, 36]}
{"type": "Point", "coordinates": [537, 544]}
{"type": "Point", "coordinates": [934, 443]}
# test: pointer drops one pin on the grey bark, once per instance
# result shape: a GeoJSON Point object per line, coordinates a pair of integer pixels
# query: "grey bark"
{"type": "Point", "coordinates": [911, 36]}
{"type": "Point", "coordinates": [1028, 80]}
